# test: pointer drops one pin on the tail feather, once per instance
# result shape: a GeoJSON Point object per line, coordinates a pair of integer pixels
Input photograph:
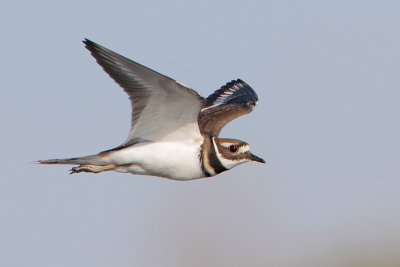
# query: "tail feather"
{"type": "Point", "coordinates": [59, 161]}
{"type": "Point", "coordinates": [94, 160]}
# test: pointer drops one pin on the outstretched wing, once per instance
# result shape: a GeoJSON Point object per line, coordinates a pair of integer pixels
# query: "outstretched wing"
{"type": "Point", "coordinates": [162, 109]}
{"type": "Point", "coordinates": [231, 101]}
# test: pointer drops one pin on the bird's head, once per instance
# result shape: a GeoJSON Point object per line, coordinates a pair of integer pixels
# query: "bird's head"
{"type": "Point", "coordinates": [232, 152]}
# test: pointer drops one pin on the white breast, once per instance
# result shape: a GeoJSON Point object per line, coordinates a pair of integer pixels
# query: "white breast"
{"type": "Point", "coordinates": [174, 160]}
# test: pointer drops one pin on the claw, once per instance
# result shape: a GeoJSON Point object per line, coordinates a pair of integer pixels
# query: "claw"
{"type": "Point", "coordinates": [80, 168]}
{"type": "Point", "coordinates": [73, 170]}
{"type": "Point", "coordinates": [91, 168]}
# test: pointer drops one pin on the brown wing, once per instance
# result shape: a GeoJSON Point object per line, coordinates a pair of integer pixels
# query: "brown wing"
{"type": "Point", "coordinates": [231, 101]}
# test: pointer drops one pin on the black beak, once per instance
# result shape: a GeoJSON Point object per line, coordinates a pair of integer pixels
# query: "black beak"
{"type": "Point", "coordinates": [255, 158]}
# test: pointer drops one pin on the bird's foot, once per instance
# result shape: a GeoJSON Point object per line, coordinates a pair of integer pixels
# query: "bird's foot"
{"type": "Point", "coordinates": [91, 168]}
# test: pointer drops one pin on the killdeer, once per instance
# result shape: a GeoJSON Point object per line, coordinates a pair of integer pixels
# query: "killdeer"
{"type": "Point", "coordinates": [174, 131]}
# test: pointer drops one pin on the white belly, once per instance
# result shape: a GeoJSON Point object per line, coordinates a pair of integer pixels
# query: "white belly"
{"type": "Point", "coordinates": [178, 161]}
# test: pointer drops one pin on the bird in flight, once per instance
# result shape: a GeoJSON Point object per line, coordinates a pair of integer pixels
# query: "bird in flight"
{"type": "Point", "coordinates": [174, 131]}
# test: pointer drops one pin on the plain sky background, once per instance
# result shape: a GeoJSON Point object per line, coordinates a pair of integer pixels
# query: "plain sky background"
{"type": "Point", "coordinates": [327, 76]}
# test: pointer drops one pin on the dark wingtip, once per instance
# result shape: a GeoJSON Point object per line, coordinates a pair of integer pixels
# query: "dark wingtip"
{"type": "Point", "coordinates": [88, 43]}
{"type": "Point", "coordinates": [234, 92]}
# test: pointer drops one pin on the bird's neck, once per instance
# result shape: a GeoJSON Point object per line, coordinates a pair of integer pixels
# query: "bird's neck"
{"type": "Point", "coordinates": [210, 163]}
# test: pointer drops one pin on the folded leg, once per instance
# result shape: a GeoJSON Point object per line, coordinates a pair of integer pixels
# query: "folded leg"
{"type": "Point", "coordinates": [92, 168]}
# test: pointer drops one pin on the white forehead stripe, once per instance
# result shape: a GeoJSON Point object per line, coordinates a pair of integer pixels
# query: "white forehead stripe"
{"type": "Point", "coordinates": [244, 148]}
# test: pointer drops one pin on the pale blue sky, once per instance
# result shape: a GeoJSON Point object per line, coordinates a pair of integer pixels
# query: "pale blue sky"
{"type": "Point", "coordinates": [326, 73]}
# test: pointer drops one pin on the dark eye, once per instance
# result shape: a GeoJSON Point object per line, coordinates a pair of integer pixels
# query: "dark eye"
{"type": "Point", "coordinates": [233, 148]}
